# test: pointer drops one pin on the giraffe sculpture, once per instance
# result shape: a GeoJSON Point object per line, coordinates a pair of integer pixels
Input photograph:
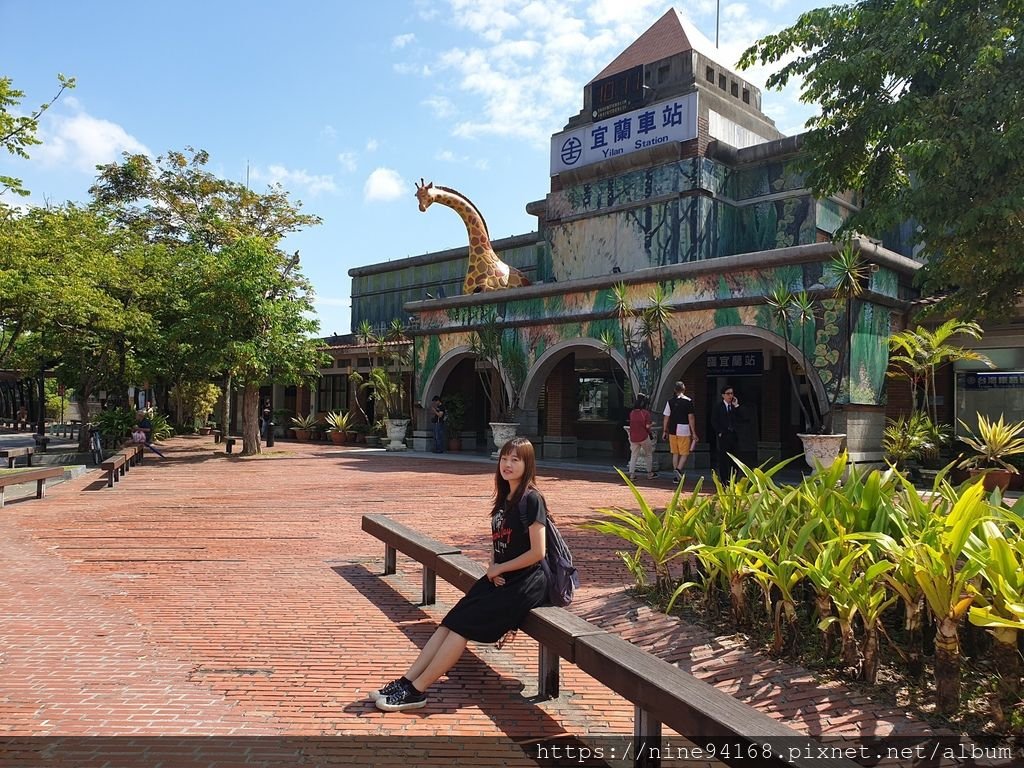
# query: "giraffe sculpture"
{"type": "Point", "coordinates": [486, 272]}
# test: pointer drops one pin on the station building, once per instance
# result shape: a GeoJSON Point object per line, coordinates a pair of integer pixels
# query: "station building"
{"type": "Point", "coordinates": [669, 177]}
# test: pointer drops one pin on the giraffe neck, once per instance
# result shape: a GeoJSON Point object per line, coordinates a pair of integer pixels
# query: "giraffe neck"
{"type": "Point", "coordinates": [475, 226]}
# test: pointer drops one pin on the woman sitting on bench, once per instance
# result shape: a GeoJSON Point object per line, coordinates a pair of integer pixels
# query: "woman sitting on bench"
{"type": "Point", "coordinates": [498, 603]}
{"type": "Point", "coordinates": [142, 431]}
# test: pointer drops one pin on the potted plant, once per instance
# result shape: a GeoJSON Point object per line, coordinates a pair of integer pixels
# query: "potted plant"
{"type": "Point", "coordinates": [454, 419]}
{"type": "Point", "coordinates": [303, 427]}
{"type": "Point", "coordinates": [386, 382]}
{"type": "Point", "coordinates": [994, 443]}
{"type": "Point", "coordinates": [338, 426]}
{"type": "Point", "coordinates": [848, 274]}
{"type": "Point", "coordinates": [500, 347]}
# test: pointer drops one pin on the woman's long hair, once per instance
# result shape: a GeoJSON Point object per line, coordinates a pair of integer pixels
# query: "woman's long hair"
{"type": "Point", "coordinates": [522, 448]}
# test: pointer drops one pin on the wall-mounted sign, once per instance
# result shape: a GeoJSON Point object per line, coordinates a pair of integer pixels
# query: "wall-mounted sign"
{"type": "Point", "coordinates": [734, 363]}
{"type": "Point", "coordinates": [618, 93]}
{"type": "Point", "coordinates": [993, 379]}
{"type": "Point", "coordinates": [661, 123]}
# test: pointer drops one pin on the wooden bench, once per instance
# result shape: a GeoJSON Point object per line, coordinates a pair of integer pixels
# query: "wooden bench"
{"type": "Point", "coordinates": [217, 434]}
{"type": "Point", "coordinates": [121, 462]}
{"type": "Point", "coordinates": [660, 692]}
{"type": "Point", "coordinates": [39, 475]}
{"type": "Point", "coordinates": [12, 454]}
{"type": "Point", "coordinates": [229, 443]}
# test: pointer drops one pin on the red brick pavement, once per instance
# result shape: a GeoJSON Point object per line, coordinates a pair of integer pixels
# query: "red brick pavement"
{"type": "Point", "coordinates": [209, 594]}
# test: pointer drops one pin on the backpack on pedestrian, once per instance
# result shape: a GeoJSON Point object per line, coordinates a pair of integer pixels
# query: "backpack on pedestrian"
{"type": "Point", "coordinates": [563, 579]}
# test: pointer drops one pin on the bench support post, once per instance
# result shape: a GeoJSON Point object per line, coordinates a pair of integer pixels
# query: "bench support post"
{"type": "Point", "coordinates": [647, 739]}
{"type": "Point", "coordinates": [40, 488]}
{"type": "Point", "coordinates": [429, 586]}
{"type": "Point", "coordinates": [547, 673]}
{"type": "Point", "coordinates": [390, 560]}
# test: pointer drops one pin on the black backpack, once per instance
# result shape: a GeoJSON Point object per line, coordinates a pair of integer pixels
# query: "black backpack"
{"type": "Point", "coordinates": [557, 563]}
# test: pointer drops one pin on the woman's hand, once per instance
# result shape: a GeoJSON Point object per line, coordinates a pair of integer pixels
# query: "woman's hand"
{"type": "Point", "coordinates": [494, 575]}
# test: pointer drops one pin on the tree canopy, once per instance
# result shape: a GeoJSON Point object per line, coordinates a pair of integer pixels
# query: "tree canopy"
{"type": "Point", "coordinates": [922, 113]}
{"type": "Point", "coordinates": [17, 132]}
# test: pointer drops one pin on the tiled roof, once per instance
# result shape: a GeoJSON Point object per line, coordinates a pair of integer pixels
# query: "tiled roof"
{"type": "Point", "coordinates": [669, 35]}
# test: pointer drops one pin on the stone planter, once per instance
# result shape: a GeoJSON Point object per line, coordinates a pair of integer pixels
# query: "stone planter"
{"type": "Point", "coordinates": [396, 434]}
{"type": "Point", "coordinates": [205, 430]}
{"type": "Point", "coordinates": [822, 450]}
{"type": "Point", "coordinates": [501, 433]}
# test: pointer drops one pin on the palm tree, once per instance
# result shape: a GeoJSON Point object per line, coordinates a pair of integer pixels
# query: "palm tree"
{"type": "Point", "coordinates": [920, 353]}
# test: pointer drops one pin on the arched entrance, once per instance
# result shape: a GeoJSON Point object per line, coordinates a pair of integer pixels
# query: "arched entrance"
{"type": "Point", "coordinates": [575, 395]}
{"type": "Point", "coordinates": [753, 361]}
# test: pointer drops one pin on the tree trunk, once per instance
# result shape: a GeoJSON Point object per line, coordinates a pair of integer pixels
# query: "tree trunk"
{"type": "Point", "coordinates": [737, 599]}
{"type": "Point", "coordinates": [823, 605]}
{"type": "Point", "coordinates": [870, 669]}
{"type": "Point", "coordinates": [227, 407]}
{"type": "Point", "coordinates": [83, 391]}
{"type": "Point", "coordinates": [947, 666]}
{"type": "Point", "coordinates": [912, 615]}
{"type": "Point", "coordinates": [850, 656]}
{"type": "Point", "coordinates": [250, 430]}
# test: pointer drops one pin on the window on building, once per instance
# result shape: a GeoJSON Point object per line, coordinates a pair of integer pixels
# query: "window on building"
{"type": "Point", "coordinates": [734, 89]}
{"type": "Point", "coordinates": [333, 394]}
{"type": "Point", "coordinates": [709, 73]}
{"type": "Point", "coordinates": [722, 82]}
{"type": "Point", "coordinates": [746, 95]}
{"type": "Point", "coordinates": [663, 72]}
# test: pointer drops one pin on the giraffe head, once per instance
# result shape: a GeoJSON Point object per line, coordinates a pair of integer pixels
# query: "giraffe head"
{"type": "Point", "coordinates": [423, 194]}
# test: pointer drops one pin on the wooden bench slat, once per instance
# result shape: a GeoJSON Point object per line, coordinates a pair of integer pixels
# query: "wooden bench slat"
{"type": "Point", "coordinates": [38, 474]}
{"type": "Point", "coordinates": [410, 542]}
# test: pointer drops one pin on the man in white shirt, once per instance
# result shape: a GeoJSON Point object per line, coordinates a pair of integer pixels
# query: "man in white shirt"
{"type": "Point", "coordinates": [679, 427]}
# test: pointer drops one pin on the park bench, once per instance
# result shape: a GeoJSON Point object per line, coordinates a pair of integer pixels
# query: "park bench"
{"type": "Point", "coordinates": [229, 443]}
{"type": "Point", "coordinates": [37, 474]}
{"type": "Point", "coordinates": [217, 434]}
{"type": "Point", "coordinates": [121, 462]}
{"type": "Point", "coordinates": [12, 454]}
{"type": "Point", "coordinates": [660, 692]}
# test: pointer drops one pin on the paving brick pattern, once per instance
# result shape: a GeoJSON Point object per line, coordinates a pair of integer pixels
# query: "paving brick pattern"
{"type": "Point", "coordinates": [213, 595]}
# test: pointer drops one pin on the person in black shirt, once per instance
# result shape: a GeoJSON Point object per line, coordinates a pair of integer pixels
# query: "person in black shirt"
{"type": "Point", "coordinates": [437, 415]}
{"type": "Point", "coordinates": [496, 605]}
{"type": "Point", "coordinates": [724, 418]}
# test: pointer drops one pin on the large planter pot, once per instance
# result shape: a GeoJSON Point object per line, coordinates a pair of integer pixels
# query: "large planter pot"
{"type": "Point", "coordinates": [338, 438]}
{"type": "Point", "coordinates": [205, 430]}
{"type": "Point", "coordinates": [994, 478]}
{"type": "Point", "coordinates": [396, 434]}
{"type": "Point", "coordinates": [302, 435]}
{"type": "Point", "coordinates": [454, 444]}
{"type": "Point", "coordinates": [821, 451]}
{"type": "Point", "coordinates": [501, 433]}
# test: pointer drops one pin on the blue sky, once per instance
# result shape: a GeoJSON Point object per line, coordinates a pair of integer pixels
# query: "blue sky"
{"type": "Point", "coordinates": [346, 104]}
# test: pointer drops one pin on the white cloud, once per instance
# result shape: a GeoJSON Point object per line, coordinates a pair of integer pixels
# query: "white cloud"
{"type": "Point", "coordinates": [521, 69]}
{"type": "Point", "coordinates": [328, 132]}
{"type": "Point", "coordinates": [348, 161]}
{"type": "Point", "coordinates": [400, 41]}
{"type": "Point", "coordinates": [371, 145]}
{"type": "Point", "coordinates": [384, 185]}
{"type": "Point", "coordinates": [291, 179]}
{"type": "Point", "coordinates": [82, 142]}
{"type": "Point", "coordinates": [441, 106]}
{"type": "Point", "coordinates": [329, 301]}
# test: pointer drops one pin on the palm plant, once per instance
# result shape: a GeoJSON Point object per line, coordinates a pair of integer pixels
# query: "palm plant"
{"type": "Point", "coordinates": [499, 346]}
{"type": "Point", "coordinates": [919, 353]}
{"type": "Point", "coordinates": [337, 421]}
{"type": "Point", "coordinates": [1000, 606]}
{"type": "Point", "coordinates": [642, 333]}
{"type": "Point", "coordinates": [385, 381]}
{"type": "Point", "coordinates": [661, 538]}
{"type": "Point", "coordinates": [847, 273]}
{"type": "Point", "coordinates": [834, 564]}
{"type": "Point", "coordinates": [943, 573]}
{"type": "Point", "coordinates": [305, 422]}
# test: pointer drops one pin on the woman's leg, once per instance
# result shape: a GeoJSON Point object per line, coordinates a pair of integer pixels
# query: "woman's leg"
{"type": "Point", "coordinates": [634, 451]}
{"type": "Point", "coordinates": [443, 659]}
{"type": "Point", "coordinates": [428, 653]}
{"type": "Point", "coordinates": [647, 446]}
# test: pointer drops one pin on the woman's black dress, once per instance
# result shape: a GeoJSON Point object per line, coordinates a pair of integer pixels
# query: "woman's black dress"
{"type": "Point", "coordinates": [487, 612]}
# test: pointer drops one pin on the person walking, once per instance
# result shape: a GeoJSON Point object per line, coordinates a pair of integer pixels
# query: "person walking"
{"type": "Point", "coordinates": [496, 605]}
{"type": "Point", "coordinates": [266, 416]}
{"type": "Point", "coordinates": [724, 419]}
{"type": "Point", "coordinates": [679, 427]}
{"type": "Point", "coordinates": [641, 443]}
{"type": "Point", "coordinates": [437, 415]}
